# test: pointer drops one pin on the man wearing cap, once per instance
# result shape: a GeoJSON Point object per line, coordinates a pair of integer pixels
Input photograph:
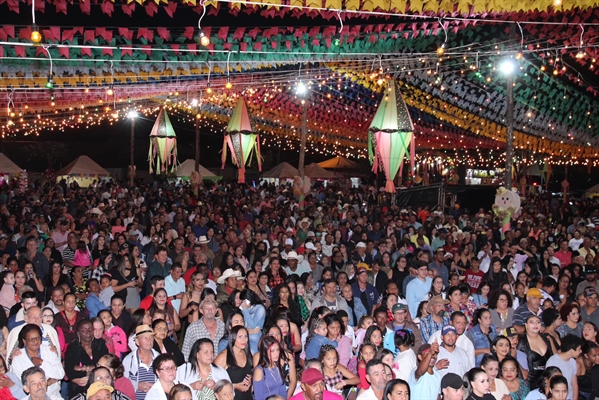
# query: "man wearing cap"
{"type": "Point", "coordinates": [138, 364]}
{"type": "Point", "coordinates": [418, 287]}
{"type": "Point", "coordinates": [208, 327]}
{"type": "Point", "coordinates": [460, 323]}
{"type": "Point", "coordinates": [364, 290]}
{"type": "Point", "coordinates": [588, 312]}
{"type": "Point", "coordinates": [458, 361]}
{"type": "Point", "coordinates": [425, 379]}
{"type": "Point", "coordinates": [99, 391]}
{"type": "Point", "coordinates": [436, 319]}
{"type": "Point", "coordinates": [227, 284]}
{"type": "Point", "coordinates": [377, 376]}
{"type": "Point", "coordinates": [452, 386]}
{"type": "Point", "coordinates": [35, 383]}
{"type": "Point", "coordinates": [589, 281]}
{"type": "Point", "coordinates": [293, 267]}
{"type": "Point", "coordinates": [400, 312]}
{"type": "Point", "coordinates": [361, 253]}
{"type": "Point", "coordinates": [532, 306]}
{"type": "Point", "coordinates": [329, 298]}
{"type": "Point", "coordinates": [302, 232]}
{"type": "Point", "coordinates": [7, 246]}
{"type": "Point", "coordinates": [313, 387]}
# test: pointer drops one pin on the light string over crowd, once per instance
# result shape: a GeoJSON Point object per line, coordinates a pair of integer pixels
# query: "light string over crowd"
{"type": "Point", "coordinates": [154, 292]}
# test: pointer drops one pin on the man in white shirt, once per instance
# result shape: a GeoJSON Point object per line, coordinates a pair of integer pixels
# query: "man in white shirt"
{"type": "Point", "coordinates": [459, 322]}
{"type": "Point", "coordinates": [378, 378]}
{"type": "Point", "coordinates": [293, 266]}
{"type": "Point", "coordinates": [175, 285]}
{"type": "Point", "coordinates": [484, 256]}
{"type": "Point", "coordinates": [33, 315]}
{"type": "Point", "coordinates": [458, 361]}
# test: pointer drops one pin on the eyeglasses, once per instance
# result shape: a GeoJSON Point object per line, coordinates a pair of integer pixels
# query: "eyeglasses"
{"type": "Point", "coordinates": [168, 369]}
{"type": "Point", "coordinates": [34, 339]}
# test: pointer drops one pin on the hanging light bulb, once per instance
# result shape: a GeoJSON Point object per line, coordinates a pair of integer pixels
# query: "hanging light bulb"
{"type": "Point", "coordinates": [204, 40]}
{"type": "Point", "coordinates": [208, 88]}
{"type": "Point", "coordinates": [49, 83]}
{"type": "Point", "coordinates": [337, 40]}
{"type": "Point", "coordinates": [109, 91]}
{"type": "Point", "coordinates": [580, 54]}
{"type": "Point", "coordinates": [229, 85]}
{"type": "Point", "coordinates": [86, 89]}
{"type": "Point", "coordinates": [441, 49]}
{"type": "Point", "coordinates": [518, 56]}
{"type": "Point", "coordinates": [557, 3]}
{"type": "Point", "coordinates": [36, 36]}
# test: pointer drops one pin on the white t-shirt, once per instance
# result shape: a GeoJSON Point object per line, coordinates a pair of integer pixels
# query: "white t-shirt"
{"type": "Point", "coordinates": [405, 362]}
{"type": "Point", "coordinates": [459, 363]}
{"type": "Point", "coordinates": [575, 243]}
{"type": "Point", "coordinates": [568, 369]}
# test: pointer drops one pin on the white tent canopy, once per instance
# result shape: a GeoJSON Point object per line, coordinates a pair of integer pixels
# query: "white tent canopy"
{"type": "Point", "coordinates": [8, 167]}
{"type": "Point", "coordinates": [283, 170]}
{"type": "Point", "coordinates": [83, 165]}
{"type": "Point", "coordinates": [187, 166]}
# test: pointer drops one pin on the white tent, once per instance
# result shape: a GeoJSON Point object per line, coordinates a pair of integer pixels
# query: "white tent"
{"type": "Point", "coordinates": [187, 166]}
{"type": "Point", "coordinates": [84, 170]}
{"type": "Point", "coordinates": [593, 191]}
{"type": "Point", "coordinates": [7, 167]}
{"type": "Point", "coordinates": [281, 171]}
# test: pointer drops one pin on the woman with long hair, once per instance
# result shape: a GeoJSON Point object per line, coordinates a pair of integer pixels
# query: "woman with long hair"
{"type": "Point", "coordinates": [590, 332]}
{"type": "Point", "coordinates": [537, 349]}
{"type": "Point", "coordinates": [79, 285]}
{"type": "Point", "coordinates": [54, 279]}
{"type": "Point", "coordinates": [336, 333]}
{"type": "Point", "coordinates": [69, 318]}
{"type": "Point", "coordinates": [254, 315]}
{"type": "Point", "coordinates": [282, 298]}
{"type": "Point", "coordinates": [589, 358]}
{"type": "Point", "coordinates": [482, 334]}
{"type": "Point", "coordinates": [552, 320]}
{"type": "Point", "coordinates": [497, 387]}
{"type": "Point", "coordinates": [496, 276]}
{"type": "Point", "coordinates": [291, 333]}
{"type": "Point", "coordinates": [436, 289]}
{"type": "Point", "coordinates": [200, 373]}
{"type": "Point", "coordinates": [133, 274]}
{"type": "Point", "coordinates": [237, 360]}
{"type": "Point", "coordinates": [251, 280]}
{"type": "Point", "coordinates": [478, 383]}
{"type": "Point", "coordinates": [502, 347]}
{"type": "Point", "coordinates": [190, 303]}
{"type": "Point", "coordinates": [160, 303]}
{"type": "Point", "coordinates": [234, 319]}
{"type": "Point", "coordinates": [269, 375]}
{"type": "Point", "coordinates": [119, 282]}
{"type": "Point", "coordinates": [481, 297]}
{"type": "Point", "coordinates": [337, 377]}
{"type": "Point", "coordinates": [113, 364]}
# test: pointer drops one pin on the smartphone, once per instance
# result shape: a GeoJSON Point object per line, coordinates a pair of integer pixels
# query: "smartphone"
{"type": "Point", "coordinates": [247, 302]}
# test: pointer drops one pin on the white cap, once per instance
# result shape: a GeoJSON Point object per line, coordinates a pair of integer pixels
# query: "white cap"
{"type": "Point", "coordinates": [361, 244]}
{"type": "Point", "coordinates": [289, 242]}
{"type": "Point", "coordinates": [310, 246]}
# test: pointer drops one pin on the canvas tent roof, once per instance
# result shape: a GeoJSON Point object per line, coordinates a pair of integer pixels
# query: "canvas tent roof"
{"type": "Point", "coordinates": [283, 170]}
{"type": "Point", "coordinates": [82, 165]}
{"type": "Point", "coordinates": [7, 166]}
{"type": "Point", "coordinates": [316, 171]}
{"type": "Point", "coordinates": [593, 189]}
{"type": "Point", "coordinates": [188, 166]}
{"type": "Point", "coordinates": [338, 163]}
{"type": "Point", "coordinates": [532, 170]}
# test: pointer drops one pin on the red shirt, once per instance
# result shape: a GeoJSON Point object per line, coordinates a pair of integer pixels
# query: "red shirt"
{"type": "Point", "coordinates": [474, 279]}
{"type": "Point", "coordinates": [146, 303]}
{"type": "Point", "coordinates": [188, 274]}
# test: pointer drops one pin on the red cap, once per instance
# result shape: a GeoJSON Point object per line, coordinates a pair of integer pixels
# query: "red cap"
{"type": "Point", "coordinates": [311, 376]}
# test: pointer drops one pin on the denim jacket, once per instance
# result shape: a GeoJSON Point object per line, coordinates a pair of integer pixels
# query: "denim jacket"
{"type": "Point", "coordinates": [359, 309]}
{"type": "Point", "coordinates": [481, 341]}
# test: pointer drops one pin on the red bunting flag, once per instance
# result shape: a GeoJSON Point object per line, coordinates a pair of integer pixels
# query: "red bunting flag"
{"type": "Point", "coordinates": [163, 33]}
{"type": "Point", "coordinates": [151, 8]}
{"type": "Point", "coordinates": [128, 8]}
{"type": "Point", "coordinates": [171, 8]}
{"type": "Point", "coordinates": [64, 52]}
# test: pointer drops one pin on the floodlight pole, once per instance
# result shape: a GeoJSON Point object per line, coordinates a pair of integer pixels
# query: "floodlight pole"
{"type": "Point", "coordinates": [509, 146]}
{"type": "Point", "coordinates": [197, 156]}
{"type": "Point", "coordinates": [302, 154]}
{"type": "Point", "coordinates": [132, 155]}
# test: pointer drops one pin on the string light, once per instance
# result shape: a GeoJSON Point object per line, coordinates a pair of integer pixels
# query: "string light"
{"type": "Point", "coordinates": [36, 36]}
{"type": "Point", "coordinates": [229, 85]}
{"type": "Point", "coordinates": [109, 91]}
{"type": "Point", "coordinates": [49, 82]}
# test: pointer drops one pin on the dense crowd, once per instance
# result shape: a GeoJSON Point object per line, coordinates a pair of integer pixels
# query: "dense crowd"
{"type": "Point", "coordinates": [153, 292]}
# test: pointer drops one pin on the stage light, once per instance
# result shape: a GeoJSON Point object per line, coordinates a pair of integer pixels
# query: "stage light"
{"type": "Point", "coordinates": [507, 67]}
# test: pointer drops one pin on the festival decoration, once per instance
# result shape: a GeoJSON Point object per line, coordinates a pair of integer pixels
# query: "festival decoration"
{"type": "Point", "coordinates": [301, 187]}
{"type": "Point", "coordinates": [506, 207]}
{"type": "Point", "coordinates": [241, 140]}
{"type": "Point", "coordinates": [23, 179]}
{"type": "Point", "coordinates": [389, 135]}
{"type": "Point", "coordinates": [163, 145]}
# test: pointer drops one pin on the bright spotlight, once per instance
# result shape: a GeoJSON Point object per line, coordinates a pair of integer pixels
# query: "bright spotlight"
{"type": "Point", "coordinates": [301, 88]}
{"type": "Point", "coordinates": [132, 114]}
{"type": "Point", "coordinates": [507, 67]}
{"type": "Point", "coordinates": [194, 102]}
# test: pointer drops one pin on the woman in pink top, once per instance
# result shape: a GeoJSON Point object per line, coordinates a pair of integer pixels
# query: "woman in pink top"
{"type": "Point", "coordinates": [336, 332]}
{"type": "Point", "coordinates": [114, 365]}
{"type": "Point", "coordinates": [116, 333]}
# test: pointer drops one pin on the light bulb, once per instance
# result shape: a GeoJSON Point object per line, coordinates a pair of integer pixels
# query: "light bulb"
{"type": "Point", "coordinates": [36, 36]}
{"type": "Point", "coordinates": [441, 50]}
{"type": "Point", "coordinates": [109, 91]}
{"type": "Point", "coordinates": [49, 83]}
{"type": "Point", "coordinates": [557, 3]}
{"type": "Point", "coordinates": [380, 81]}
{"type": "Point", "coordinates": [580, 54]}
{"type": "Point", "coordinates": [301, 88]}
{"type": "Point", "coordinates": [208, 88]}
{"type": "Point", "coordinates": [228, 85]}
{"type": "Point", "coordinates": [204, 40]}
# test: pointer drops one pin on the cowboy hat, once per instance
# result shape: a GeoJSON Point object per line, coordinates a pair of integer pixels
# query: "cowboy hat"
{"type": "Point", "coordinates": [435, 300]}
{"type": "Point", "coordinates": [230, 273]}
{"type": "Point", "coordinates": [203, 240]}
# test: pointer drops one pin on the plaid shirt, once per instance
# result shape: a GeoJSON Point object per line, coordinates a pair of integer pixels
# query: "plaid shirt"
{"type": "Point", "coordinates": [428, 326]}
{"type": "Point", "coordinates": [198, 330]}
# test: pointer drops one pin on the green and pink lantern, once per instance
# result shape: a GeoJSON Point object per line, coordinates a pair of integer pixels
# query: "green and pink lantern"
{"type": "Point", "coordinates": [241, 139]}
{"type": "Point", "coordinates": [163, 146]}
{"type": "Point", "coordinates": [389, 136]}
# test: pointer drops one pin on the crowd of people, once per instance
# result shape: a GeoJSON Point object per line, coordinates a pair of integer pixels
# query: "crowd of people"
{"type": "Point", "coordinates": [154, 292]}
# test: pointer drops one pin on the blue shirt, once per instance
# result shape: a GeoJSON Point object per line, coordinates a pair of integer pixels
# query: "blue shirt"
{"type": "Point", "coordinates": [94, 305]}
{"type": "Point", "coordinates": [316, 342]}
{"type": "Point", "coordinates": [428, 326]}
{"type": "Point", "coordinates": [371, 294]}
{"type": "Point", "coordinates": [416, 292]}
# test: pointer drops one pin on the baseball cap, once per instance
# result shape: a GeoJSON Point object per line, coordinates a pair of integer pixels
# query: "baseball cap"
{"type": "Point", "coordinates": [311, 376]}
{"type": "Point", "coordinates": [453, 381]}
{"type": "Point", "coordinates": [588, 292]}
{"type": "Point", "coordinates": [398, 307]}
{"type": "Point", "coordinates": [424, 348]}
{"type": "Point", "coordinates": [310, 246]}
{"type": "Point", "coordinates": [590, 269]}
{"type": "Point", "coordinates": [124, 246]}
{"type": "Point", "coordinates": [534, 292]}
{"type": "Point", "coordinates": [3, 236]}
{"type": "Point", "coordinates": [448, 328]}
{"type": "Point", "coordinates": [510, 331]}
{"type": "Point", "coordinates": [361, 244]}
{"type": "Point", "coordinates": [288, 242]}
{"type": "Point", "coordinates": [96, 387]}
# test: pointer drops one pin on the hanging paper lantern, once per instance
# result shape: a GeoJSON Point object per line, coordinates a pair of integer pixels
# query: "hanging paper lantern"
{"type": "Point", "coordinates": [389, 135]}
{"type": "Point", "coordinates": [163, 145]}
{"type": "Point", "coordinates": [241, 140]}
